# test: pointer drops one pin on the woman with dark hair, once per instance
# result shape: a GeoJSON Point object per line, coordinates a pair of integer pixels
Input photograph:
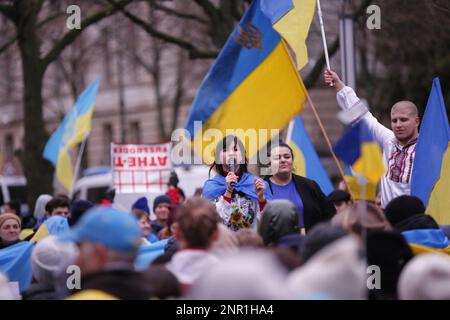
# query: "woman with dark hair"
{"type": "Point", "coordinates": [239, 196]}
{"type": "Point", "coordinates": [311, 203]}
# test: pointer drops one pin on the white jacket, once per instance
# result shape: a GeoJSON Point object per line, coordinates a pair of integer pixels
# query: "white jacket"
{"type": "Point", "coordinates": [397, 159]}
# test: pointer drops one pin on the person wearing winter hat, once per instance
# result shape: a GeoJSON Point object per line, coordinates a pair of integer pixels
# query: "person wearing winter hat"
{"type": "Point", "coordinates": [39, 209]}
{"type": "Point", "coordinates": [49, 261]}
{"type": "Point", "coordinates": [426, 277]}
{"type": "Point", "coordinates": [280, 220]}
{"type": "Point", "coordinates": [10, 226]}
{"type": "Point", "coordinates": [161, 208]}
{"type": "Point", "coordinates": [77, 209]}
{"type": "Point", "coordinates": [108, 241]}
{"type": "Point", "coordinates": [141, 211]}
{"type": "Point", "coordinates": [408, 213]}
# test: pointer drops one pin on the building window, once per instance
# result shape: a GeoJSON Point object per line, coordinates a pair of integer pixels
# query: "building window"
{"type": "Point", "coordinates": [135, 132]}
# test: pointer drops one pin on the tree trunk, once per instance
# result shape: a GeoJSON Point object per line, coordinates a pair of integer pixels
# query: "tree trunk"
{"type": "Point", "coordinates": [38, 171]}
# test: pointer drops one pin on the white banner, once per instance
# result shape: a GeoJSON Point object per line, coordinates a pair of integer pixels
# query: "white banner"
{"type": "Point", "coordinates": [140, 168]}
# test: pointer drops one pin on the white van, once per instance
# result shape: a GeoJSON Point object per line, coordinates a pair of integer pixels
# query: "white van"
{"type": "Point", "coordinates": [96, 181]}
{"type": "Point", "coordinates": [14, 188]}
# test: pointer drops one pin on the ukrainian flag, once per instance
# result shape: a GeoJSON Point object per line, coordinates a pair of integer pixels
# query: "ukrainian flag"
{"type": "Point", "coordinates": [252, 85]}
{"type": "Point", "coordinates": [73, 130]}
{"type": "Point", "coordinates": [55, 225]}
{"type": "Point", "coordinates": [15, 262]}
{"type": "Point", "coordinates": [427, 240]}
{"type": "Point", "coordinates": [358, 149]}
{"type": "Point", "coordinates": [306, 160]}
{"type": "Point", "coordinates": [370, 192]}
{"type": "Point", "coordinates": [292, 19]}
{"type": "Point", "coordinates": [430, 180]}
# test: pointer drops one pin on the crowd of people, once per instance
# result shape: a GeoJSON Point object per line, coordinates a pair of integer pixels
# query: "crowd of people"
{"type": "Point", "coordinates": [245, 237]}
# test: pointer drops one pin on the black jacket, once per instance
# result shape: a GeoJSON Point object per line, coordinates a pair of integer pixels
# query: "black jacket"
{"type": "Point", "coordinates": [316, 206]}
{"type": "Point", "coordinates": [39, 291]}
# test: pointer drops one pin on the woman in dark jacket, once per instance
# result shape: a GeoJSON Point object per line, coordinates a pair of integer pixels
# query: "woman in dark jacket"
{"type": "Point", "coordinates": [311, 203]}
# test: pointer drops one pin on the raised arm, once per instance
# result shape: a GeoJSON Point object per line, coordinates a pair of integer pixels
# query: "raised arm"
{"type": "Point", "coordinates": [348, 100]}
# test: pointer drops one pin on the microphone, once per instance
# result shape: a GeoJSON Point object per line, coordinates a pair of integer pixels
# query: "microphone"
{"type": "Point", "coordinates": [232, 168]}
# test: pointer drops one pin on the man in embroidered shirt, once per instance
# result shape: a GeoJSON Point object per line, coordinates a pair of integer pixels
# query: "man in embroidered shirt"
{"type": "Point", "coordinates": [398, 144]}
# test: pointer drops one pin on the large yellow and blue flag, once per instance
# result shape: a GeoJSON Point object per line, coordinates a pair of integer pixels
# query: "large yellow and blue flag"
{"type": "Point", "coordinates": [253, 84]}
{"type": "Point", "coordinates": [430, 180]}
{"type": "Point", "coordinates": [358, 149]}
{"type": "Point", "coordinates": [292, 19]}
{"type": "Point", "coordinates": [73, 130]}
{"type": "Point", "coordinates": [306, 160]}
{"type": "Point", "coordinates": [15, 262]}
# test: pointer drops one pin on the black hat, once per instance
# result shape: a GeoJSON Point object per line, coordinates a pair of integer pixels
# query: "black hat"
{"type": "Point", "coordinates": [402, 208]}
{"type": "Point", "coordinates": [339, 195]}
{"type": "Point", "coordinates": [417, 221]}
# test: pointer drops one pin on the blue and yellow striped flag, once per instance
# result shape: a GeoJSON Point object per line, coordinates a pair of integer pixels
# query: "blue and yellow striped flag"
{"type": "Point", "coordinates": [358, 149]}
{"type": "Point", "coordinates": [306, 160]}
{"type": "Point", "coordinates": [430, 180]}
{"type": "Point", "coordinates": [73, 130]}
{"type": "Point", "coordinates": [253, 84]}
{"type": "Point", "coordinates": [292, 19]}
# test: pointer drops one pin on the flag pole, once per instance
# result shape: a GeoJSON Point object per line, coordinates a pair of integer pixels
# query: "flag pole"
{"type": "Point", "coordinates": [289, 131]}
{"type": "Point", "coordinates": [327, 139]}
{"type": "Point", "coordinates": [324, 40]}
{"type": "Point", "coordinates": [316, 115]}
{"type": "Point", "coordinates": [78, 163]}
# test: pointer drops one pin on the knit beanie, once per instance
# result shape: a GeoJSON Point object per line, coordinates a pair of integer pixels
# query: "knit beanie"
{"type": "Point", "coordinates": [7, 216]}
{"type": "Point", "coordinates": [403, 207]}
{"type": "Point", "coordinates": [161, 199]}
{"type": "Point", "coordinates": [141, 204]}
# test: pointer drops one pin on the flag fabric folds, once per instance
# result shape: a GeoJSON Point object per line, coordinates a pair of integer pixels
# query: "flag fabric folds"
{"type": "Point", "coordinates": [306, 160]}
{"type": "Point", "coordinates": [15, 262]}
{"type": "Point", "coordinates": [73, 130]}
{"type": "Point", "coordinates": [358, 148]}
{"type": "Point", "coordinates": [55, 225]}
{"type": "Point", "coordinates": [252, 85]}
{"type": "Point", "coordinates": [427, 240]}
{"type": "Point", "coordinates": [430, 180]}
{"type": "Point", "coordinates": [292, 19]}
{"type": "Point", "coordinates": [149, 253]}
{"type": "Point", "coordinates": [356, 190]}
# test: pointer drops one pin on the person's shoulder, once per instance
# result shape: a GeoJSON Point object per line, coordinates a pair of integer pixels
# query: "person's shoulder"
{"type": "Point", "coordinates": [304, 180]}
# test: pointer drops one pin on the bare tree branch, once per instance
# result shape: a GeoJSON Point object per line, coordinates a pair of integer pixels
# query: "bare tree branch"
{"type": "Point", "coordinates": [11, 41]}
{"type": "Point", "coordinates": [69, 37]}
{"type": "Point", "coordinates": [50, 18]}
{"type": "Point", "coordinates": [178, 14]}
{"type": "Point", "coordinates": [8, 11]}
{"type": "Point", "coordinates": [6, 45]}
{"type": "Point", "coordinates": [194, 53]}
{"type": "Point", "coordinates": [207, 7]}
